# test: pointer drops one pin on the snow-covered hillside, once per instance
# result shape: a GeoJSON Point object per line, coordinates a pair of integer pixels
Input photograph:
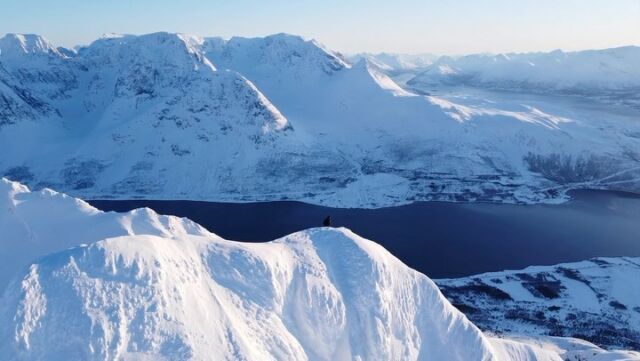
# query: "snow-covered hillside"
{"type": "Point", "coordinates": [172, 116]}
{"type": "Point", "coordinates": [610, 74]}
{"type": "Point", "coordinates": [144, 286]}
{"type": "Point", "coordinates": [598, 300]}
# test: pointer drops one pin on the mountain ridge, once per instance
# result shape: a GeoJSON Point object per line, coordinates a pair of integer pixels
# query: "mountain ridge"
{"type": "Point", "coordinates": [155, 286]}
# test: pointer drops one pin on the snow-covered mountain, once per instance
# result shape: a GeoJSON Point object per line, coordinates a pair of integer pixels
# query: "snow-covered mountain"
{"type": "Point", "coordinates": [396, 63]}
{"type": "Point", "coordinates": [389, 131]}
{"type": "Point", "coordinates": [129, 113]}
{"type": "Point", "coordinates": [610, 74]}
{"type": "Point", "coordinates": [597, 300]}
{"type": "Point", "coordinates": [399, 67]}
{"type": "Point", "coordinates": [144, 286]}
{"type": "Point", "coordinates": [175, 116]}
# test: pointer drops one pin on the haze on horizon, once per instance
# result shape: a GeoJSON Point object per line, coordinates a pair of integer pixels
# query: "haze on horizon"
{"type": "Point", "coordinates": [404, 26]}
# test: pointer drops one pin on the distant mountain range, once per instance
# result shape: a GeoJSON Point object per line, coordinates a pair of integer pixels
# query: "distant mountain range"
{"type": "Point", "coordinates": [607, 75]}
{"type": "Point", "coordinates": [172, 116]}
{"type": "Point", "coordinates": [396, 63]}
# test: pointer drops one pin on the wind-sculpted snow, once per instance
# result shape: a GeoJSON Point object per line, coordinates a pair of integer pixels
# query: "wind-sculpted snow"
{"type": "Point", "coordinates": [598, 300]}
{"type": "Point", "coordinates": [320, 294]}
{"type": "Point", "coordinates": [172, 116]}
{"type": "Point", "coordinates": [33, 224]}
{"type": "Point", "coordinates": [142, 286]}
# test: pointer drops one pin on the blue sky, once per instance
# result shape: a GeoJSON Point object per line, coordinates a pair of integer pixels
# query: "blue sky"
{"type": "Point", "coordinates": [411, 26]}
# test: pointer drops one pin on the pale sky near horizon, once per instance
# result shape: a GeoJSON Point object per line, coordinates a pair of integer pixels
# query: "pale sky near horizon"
{"type": "Point", "coordinates": [406, 26]}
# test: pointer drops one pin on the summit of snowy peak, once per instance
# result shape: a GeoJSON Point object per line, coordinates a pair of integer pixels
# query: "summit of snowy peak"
{"type": "Point", "coordinates": [161, 47]}
{"type": "Point", "coordinates": [36, 223]}
{"type": "Point", "coordinates": [16, 45]}
{"type": "Point", "coordinates": [9, 188]}
{"type": "Point", "coordinates": [278, 52]}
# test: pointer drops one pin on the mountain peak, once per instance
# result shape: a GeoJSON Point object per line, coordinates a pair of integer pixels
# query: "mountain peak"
{"type": "Point", "coordinates": [23, 44]}
{"type": "Point", "coordinates": [175, 48]}
{"type": "Point", "coordinates": [280, 51]}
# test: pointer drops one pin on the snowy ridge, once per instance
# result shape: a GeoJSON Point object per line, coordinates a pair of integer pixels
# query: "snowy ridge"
{"type": "Point", "coordinates": [274, 53]}
{"type": "Point", "coordinates": [17, 45]}
{"type": "Point", "coordinates": [598, 300]}
{"type": "Point", "coordinates": [200, 298]}
{"type": "Point", "coordinates": [397, 63]}
{"type": "Point", "coordinates": [27, 226]}
{"type": "Point", "coordinates": [144, 286]}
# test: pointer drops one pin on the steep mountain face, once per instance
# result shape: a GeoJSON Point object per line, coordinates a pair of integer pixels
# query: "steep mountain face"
{"type": "Point", "coordinates": [32, 74]}
{"type": "Point", "coordinates": [17, 103]}
{"type": "Point", "coordinates": [126, 112]}
{"type": "Point", "coordinates": [37, 65]}
{"type": "Point", "coordinates": [597, 300]}
{"type": "Point", "coordinates": [175, 116]}
{"type": "Point", "coordinates": [144, 286]}
{"type": "Point", "coordinates": [609, 75]}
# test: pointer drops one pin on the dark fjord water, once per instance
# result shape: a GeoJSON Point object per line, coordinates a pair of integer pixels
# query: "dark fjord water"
{"type": "Point", "coordinates": [440, 239]}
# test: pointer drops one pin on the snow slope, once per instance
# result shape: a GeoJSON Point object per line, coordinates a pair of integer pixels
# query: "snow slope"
{"type": "Point", "coordinates": [611, 74]}
{"type": "Point", "coordinates": [34, 224]}
{"type": "Point", "coordinates": [172, 116]}
{"type": "Point", "coordinates": [154, 287]}
{"type": "Point", "coordinates": [598, 300]}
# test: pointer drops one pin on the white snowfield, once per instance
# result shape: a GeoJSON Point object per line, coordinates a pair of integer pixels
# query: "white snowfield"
{"type": "Point", "coordinates": [139, 286]}
{"type": "Point", "coordinates": [172, 116]}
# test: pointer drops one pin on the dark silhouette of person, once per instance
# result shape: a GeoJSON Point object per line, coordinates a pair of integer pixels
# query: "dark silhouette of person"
{"type": "Point", "coordinates": [327, 222]}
